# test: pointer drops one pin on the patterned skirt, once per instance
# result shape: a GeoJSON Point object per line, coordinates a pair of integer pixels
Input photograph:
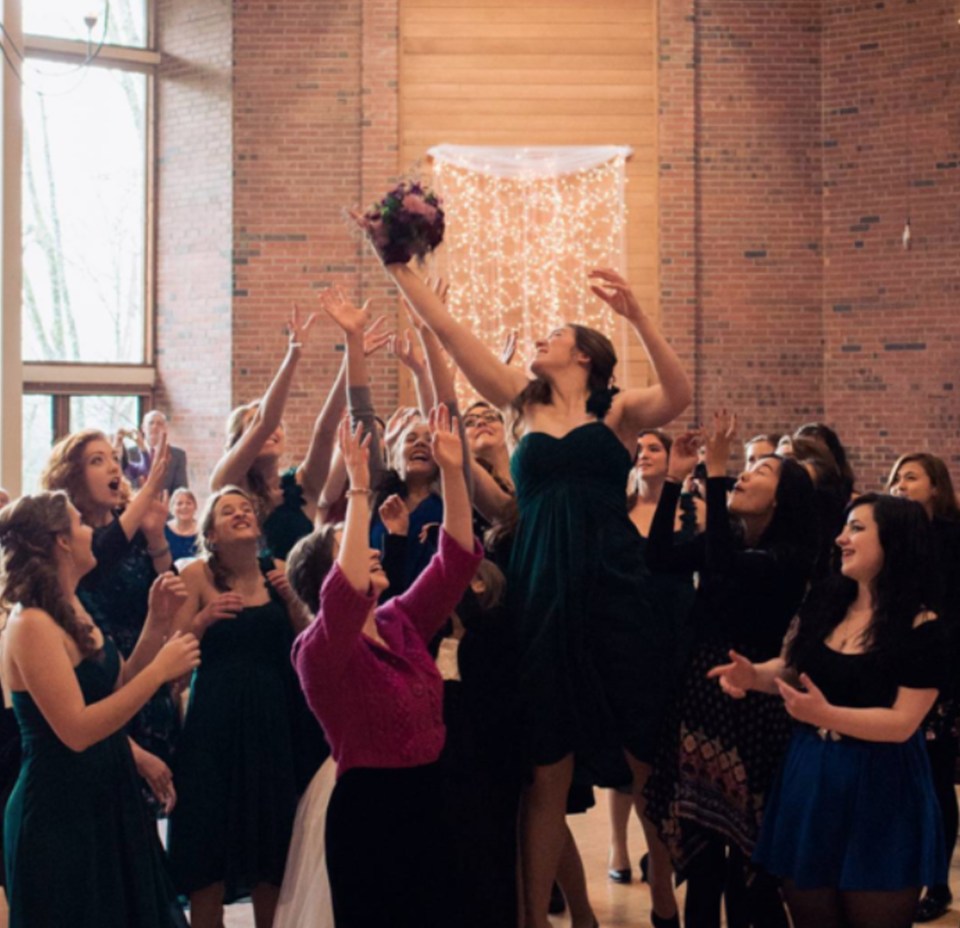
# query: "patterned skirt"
{"type": "Point", "coordinates": [715, 762]}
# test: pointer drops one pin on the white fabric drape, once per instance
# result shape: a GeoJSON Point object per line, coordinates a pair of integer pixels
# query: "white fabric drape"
{"type": "Point", "coordinates": [533, 161]}
{"type": "Point", "coordinates": [524, 227]}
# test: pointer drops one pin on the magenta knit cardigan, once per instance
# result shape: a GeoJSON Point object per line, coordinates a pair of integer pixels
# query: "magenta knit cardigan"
{"type": "Point", "coordinates": [382, 707]}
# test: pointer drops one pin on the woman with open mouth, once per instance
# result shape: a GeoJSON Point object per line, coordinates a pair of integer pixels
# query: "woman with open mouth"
{"type": "Point", "coordinates": [237, 759]}
{"type": "Point", "coordinates": [717, 758]}
{"type": "Point", "coordinates": [80, 847]}
{"type": "Point", "coordinates": [131, 550]}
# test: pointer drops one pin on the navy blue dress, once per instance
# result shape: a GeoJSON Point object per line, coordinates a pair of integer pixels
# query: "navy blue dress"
{"type": "Point", "coordinates": [859, 815]}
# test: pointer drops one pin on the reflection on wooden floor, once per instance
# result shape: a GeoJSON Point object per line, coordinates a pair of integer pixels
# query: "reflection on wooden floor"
{"type": "Point", "coordinates": [615, 906]}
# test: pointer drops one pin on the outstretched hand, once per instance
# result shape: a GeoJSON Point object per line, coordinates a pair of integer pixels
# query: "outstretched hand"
{"type": "Point", "coordinates": [349, 318]}
{"type": "Point", "coordinates": [736, 677]}
{"type": "Point", "coordinates": [374, 338]}
{"type": "Point", "coordinates": [615, 292]}
{"type": "Point", "coordinates": [406, 352]}
{"type": "Point", "coordinates": [683, 455]}
{"type": "Point", "coordinates": [297, 330]}
{"type": "Point", "coordinates": [355, 449]}
{"type": "Point", "coordinates": [718, 443]}
{"type": "Point", "coordinates": [446, 444]}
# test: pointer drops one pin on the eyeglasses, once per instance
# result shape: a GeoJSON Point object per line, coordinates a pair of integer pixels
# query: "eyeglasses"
{"type": "Point", "coordinates": [481, 418]}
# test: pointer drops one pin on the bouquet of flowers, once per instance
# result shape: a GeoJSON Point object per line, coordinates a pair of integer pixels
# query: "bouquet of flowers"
{"type": "Point", "coordinates": [406, 223]}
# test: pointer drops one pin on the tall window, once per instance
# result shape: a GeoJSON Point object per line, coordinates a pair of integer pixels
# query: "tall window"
{"type": "Point", "coordinates": [88, 71]}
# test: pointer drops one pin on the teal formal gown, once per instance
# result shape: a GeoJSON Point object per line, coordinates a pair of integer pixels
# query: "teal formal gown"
{"type": "Point", "coordinates": [81, 850]}
{"type": "Point", "coordinates": [596, 654]}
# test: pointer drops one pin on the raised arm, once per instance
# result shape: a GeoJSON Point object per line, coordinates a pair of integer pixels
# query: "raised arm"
{"type": "Point", "coordinates": [315, 469]}
{"type": "Point", "coordinates": [352, 322]}
{"type": "Point", "coordinates": [490, 377]}
{"type": "Point", "coordinates": [354, 555]}
{"type": "Point", "coordinates": [448, 453]}
{"type": "Point", "coordinates": [37, 649]}
{"type": "Point", "coordinates": [405, 350]}
{"type": "Point", "coordinates": [149, 510]}
{"type": "Point", "coordinates": [489, 498]}
{"type": "Point", "coordinates": [644, 407]}
{"type": "Point", "coordinates": [663, 551]}
{"type": "Point", "coordinates": [232, 468]}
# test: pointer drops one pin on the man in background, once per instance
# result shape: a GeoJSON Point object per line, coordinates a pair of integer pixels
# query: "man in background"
{"type": "Point", "coordinates": [137, 463]}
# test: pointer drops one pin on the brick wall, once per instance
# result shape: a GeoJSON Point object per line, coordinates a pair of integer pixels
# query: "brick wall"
{"type": "Point", "coordinates": [194, 229]}
{"type": "Point", "coordinates": [793, 140]}
{"type": "Point", "coordinates": [891, 149]}
{"type": "Point", "coordinates": [740, 226]}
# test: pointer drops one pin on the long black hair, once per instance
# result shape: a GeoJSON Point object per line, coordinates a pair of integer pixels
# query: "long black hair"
{"type": "Point", "coordinates": [904, 587]}
{"type": "Point", "coordinates": [793, 527]}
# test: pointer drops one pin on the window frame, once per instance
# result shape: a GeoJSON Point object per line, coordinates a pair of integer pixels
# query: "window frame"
{"type": "Point", "coordinates": [146, 61]}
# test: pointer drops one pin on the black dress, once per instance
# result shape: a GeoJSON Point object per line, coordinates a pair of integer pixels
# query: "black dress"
{"type": "Point", "coordinates": [718, 756]}
{"type": "Point", "coordinates": [236, 767]}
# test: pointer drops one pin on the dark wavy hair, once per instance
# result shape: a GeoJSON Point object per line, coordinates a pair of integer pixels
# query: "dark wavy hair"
{"type": "Point", "coordinates": [945, 500]}
{"type": "Point", "coordinates": [205, 547]}
{"type": "Point", "coordinates": [603, 359]}
{"type": "Point", "coordinates": [905, 586]}
{"type": "Point", "coordinates": [29, 529]}
{"type": "Point", "coordinates": [309, 562]}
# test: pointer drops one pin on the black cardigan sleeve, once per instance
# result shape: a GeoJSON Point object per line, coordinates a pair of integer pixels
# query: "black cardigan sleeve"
{"type": "Point", "coordinates": [664, 553]}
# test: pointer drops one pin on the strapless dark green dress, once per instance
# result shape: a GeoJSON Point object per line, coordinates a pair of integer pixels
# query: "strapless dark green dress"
{"type": "Point", "coordinates": [596, 655]}
{"type": "Point", "coordinates": [81, 850]}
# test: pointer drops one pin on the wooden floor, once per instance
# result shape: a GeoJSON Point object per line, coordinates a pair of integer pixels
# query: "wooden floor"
{"type": "Point", "coordinates": [615, 906]}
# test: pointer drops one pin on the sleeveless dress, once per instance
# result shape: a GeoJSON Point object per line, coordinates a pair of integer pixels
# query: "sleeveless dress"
{"type": "Point", "coordinates": [595, 656]}
{"type": "Point", "coordinates": [288, 523]}
{"type": "Point", "coordinates": [81, 850]}
{"type": "Point", "coordinates": [236, 766]}
{"type": "Point", "coordinates": [116, 594]}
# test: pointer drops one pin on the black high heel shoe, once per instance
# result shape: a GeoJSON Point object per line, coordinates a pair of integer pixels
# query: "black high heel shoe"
{"type": "Point", "coordinates": [645, 868]}
{"type": "Point", "coordinates": [658, 921]}
{"type": "Point", "coordinates": [620, 876]}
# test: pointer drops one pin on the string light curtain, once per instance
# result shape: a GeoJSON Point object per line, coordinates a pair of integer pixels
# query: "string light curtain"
{"type": "Point", "coordinates": [524, 226]}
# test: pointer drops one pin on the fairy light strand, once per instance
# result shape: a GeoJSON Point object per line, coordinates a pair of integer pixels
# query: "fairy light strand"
{"type": "Point", "coordinates": [517, 250]}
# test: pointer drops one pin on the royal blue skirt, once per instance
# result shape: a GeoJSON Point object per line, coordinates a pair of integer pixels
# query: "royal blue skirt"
{"type": "Point", "coordinates": [853, 815]}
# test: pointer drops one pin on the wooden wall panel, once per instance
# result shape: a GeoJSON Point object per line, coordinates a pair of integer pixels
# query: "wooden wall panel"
{"type": "Point", "coordinates": [541, 72]}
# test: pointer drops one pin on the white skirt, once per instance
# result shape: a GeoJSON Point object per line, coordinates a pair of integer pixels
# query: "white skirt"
{"type": "Point", "coordinates": [305, 895]}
